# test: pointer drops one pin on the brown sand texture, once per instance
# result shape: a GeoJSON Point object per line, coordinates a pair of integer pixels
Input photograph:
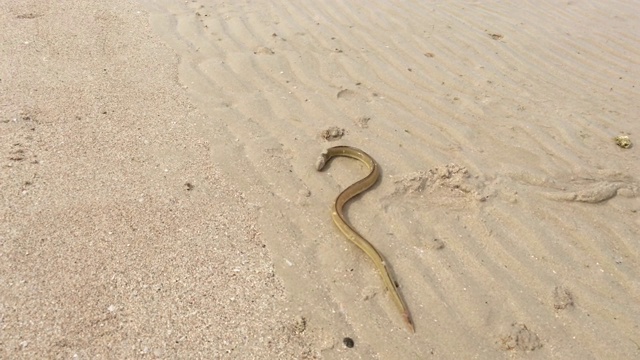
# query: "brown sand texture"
{"type": "Point", "coordinates": [159, 198]}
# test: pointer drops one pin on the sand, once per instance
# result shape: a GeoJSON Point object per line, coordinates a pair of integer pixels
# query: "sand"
{"type": "Point", "coordinates": [159, 197]}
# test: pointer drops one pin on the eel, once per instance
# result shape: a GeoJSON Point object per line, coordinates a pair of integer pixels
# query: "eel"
{"type": "Point", "coordinates": [349, 232]}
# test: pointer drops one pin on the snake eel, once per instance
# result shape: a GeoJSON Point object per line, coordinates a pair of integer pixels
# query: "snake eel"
{"type": "Point", "coordinates": [343, 224]}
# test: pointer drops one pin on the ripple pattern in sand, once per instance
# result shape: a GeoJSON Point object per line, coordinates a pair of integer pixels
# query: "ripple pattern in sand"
{"type": "Point", "coordinates": [521, 101]}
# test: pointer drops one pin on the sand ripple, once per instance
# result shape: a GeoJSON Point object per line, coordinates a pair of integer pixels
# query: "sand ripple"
{"type": "Point", "coordinates": [521, 100]}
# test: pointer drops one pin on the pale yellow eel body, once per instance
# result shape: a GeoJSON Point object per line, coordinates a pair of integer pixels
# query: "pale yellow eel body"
{"type": "Point", "coordinates": [351, 233]}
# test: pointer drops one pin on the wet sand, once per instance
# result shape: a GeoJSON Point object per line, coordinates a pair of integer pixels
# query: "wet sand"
{"type": "Point", "coordinates": [159, 197]}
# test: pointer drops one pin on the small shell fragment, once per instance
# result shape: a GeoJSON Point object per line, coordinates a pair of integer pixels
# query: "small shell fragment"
{"type": "Point", "coordinates": [623, 141]}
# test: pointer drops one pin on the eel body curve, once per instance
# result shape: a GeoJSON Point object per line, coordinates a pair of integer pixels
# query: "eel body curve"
{"type": "Point", "coordinates": [352, 234]}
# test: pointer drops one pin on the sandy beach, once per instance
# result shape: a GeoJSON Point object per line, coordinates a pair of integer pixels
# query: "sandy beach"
{"type": "Point", "coordinates": [159, 198]}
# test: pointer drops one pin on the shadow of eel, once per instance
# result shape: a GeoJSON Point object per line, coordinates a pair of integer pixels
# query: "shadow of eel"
{"type": "Point", "coordinates": [343, 224]}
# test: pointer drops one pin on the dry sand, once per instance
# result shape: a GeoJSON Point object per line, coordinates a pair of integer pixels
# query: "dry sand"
{"type": "Point", "coordinates": [159, 198]}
